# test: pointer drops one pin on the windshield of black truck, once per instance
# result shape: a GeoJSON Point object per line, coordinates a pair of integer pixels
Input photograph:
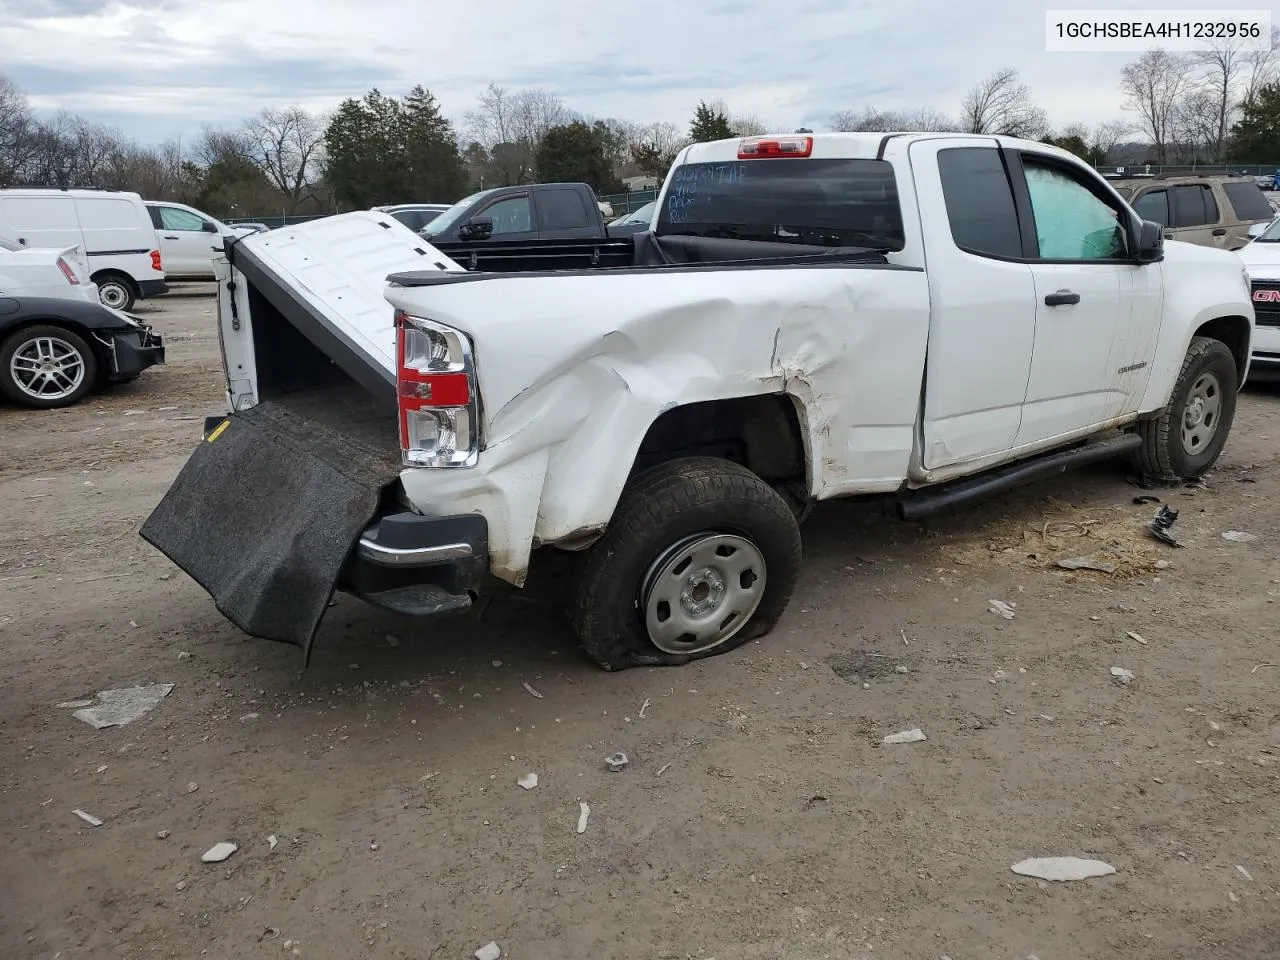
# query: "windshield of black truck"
{"type": "Point", "coordinates": [829, 203]}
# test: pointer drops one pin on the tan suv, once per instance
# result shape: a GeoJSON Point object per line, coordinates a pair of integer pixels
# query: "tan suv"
{"type": "Point", "coordinates": [1211, 210]}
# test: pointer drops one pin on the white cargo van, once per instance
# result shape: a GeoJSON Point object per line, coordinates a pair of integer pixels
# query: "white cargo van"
{"type": "Point", "coordinates": [113, 230]}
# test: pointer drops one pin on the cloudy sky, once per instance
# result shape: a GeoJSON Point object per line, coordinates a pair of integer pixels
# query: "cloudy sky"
{"type": "Point", "coordinates": [158, 68]}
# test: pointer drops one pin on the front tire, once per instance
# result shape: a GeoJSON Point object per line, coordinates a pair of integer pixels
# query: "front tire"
{"type": "Point", "coordinates": [1187, 438]}
{"type": "Point", "coordinates": [46, 367]}
{"type": "Point", "coordinates": [700, 557]}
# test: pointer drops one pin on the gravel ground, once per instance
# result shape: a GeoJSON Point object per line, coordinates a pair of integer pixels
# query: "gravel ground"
{"type": "Point", "coordinates": [761, 816]}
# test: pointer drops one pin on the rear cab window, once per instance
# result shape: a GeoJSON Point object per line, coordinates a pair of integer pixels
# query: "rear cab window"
{"type": "Point", "coordinates": [818, 202]}
{"type": "Point", "coordinates": [1248, 201]}
{"type": "Point", "coordinates": [979, 200]}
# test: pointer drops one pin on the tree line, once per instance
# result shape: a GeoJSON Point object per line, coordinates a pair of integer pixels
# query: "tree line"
{"type": "Point", "coordinates": [1219, 105]}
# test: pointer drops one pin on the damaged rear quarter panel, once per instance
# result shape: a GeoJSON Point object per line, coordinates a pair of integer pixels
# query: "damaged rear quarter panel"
{"type": "Point", "coordinates": [574, 369]}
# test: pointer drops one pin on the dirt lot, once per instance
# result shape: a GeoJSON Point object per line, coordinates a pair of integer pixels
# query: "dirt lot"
{"type": "Point", "coordinates": [761, 816]}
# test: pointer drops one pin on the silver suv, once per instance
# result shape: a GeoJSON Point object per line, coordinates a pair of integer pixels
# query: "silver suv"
{"type": "Point", "coordinates": [1212, 210]}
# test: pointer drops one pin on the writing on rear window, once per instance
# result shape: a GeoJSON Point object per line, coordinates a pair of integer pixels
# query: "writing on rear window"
{"type": "Point", "coordinates": [828, 203]}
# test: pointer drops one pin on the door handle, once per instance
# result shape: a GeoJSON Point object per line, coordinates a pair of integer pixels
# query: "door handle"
{"type": "Point", "coordinates": [1220, 232]}
{"type": "Point", "coordinates": [167, 237]}
{"type": "Point", "coordinates": [1061, 299]}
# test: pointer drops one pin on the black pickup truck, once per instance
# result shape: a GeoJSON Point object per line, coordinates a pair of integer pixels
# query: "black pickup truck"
{"type": "Point", "coordinates": [538, 226]}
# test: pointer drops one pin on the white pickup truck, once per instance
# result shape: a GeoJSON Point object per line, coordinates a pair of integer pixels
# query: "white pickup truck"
{"type": "Point", "coordinates": [928, 318]}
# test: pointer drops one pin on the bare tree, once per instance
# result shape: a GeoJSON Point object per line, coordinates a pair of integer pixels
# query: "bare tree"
{"type": "Point", "coordinates": [747, 124]}
{"type": "Point", "coordinates": [215, 144]}
{"type": "Point", "coordinates": [1260, 68]}
{"type": "Point", "coordinates": [870, 120]}
{"type": "Point", "coordinates": [511, 125]}
{"type": "Point", "coordinates": [287, 144]}
{"type": "Point", "coordinates": [1002, 104]}
{"type": "Point", "coordinates": [656, 146]}
{"type": "Point", "coordinates": [1153, 87]}
{"type": "Point", "coordinates": [16, 132]}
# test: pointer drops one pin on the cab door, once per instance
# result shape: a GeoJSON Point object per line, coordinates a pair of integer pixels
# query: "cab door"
{"type": "Point", "coordinates": [187, 246]}
{"type": "Point", "coordinates": [1097, 310]}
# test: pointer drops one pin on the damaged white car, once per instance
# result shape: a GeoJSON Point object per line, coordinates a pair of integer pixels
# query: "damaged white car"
{"type": "Point", "coordinates": [927, 318]}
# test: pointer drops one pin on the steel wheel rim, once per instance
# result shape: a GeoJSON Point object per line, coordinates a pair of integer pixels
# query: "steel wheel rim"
{"type": "Point", "coordinates": [113, 294]}
{"type": "Point", "coordinates": [702, 591]}
{"type": "Point", "coordinates": [1202, 415]}
{"type": "Point", "coordinates": [47, 368]}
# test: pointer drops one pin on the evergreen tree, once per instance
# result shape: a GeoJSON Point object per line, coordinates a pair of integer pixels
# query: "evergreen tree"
{"type": "Point", "coordinates": [1256, 138]}
{"type": "Point", "coordinates": [709, 123]}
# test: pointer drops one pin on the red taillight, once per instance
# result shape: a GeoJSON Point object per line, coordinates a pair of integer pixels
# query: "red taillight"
{"type": "Point", "coordinates": [155, 261]}
{"type": "Point", "coordinates": [68, 272]}
{"type": "Point", "coordinates": [757, 148]}
{"type": "Point", "coordinates": [435, 393]}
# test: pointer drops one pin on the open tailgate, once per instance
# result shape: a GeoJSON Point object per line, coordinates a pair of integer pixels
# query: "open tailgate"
{"type": "Point", "coordinates": [267, 509]}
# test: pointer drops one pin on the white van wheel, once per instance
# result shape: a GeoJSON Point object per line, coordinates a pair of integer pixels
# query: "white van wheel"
{"type": "Point", "coordinates": [115, 291]}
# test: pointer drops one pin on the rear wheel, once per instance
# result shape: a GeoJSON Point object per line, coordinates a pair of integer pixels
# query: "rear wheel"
{"type": "Point", "coordinates": [115, 291]}
{"type": "Point", "coordinates": [701, 556]}
{"type": "Point", "coordinates": [1187, 438]}
{"type": "Point", "coordinates": [46, 367]}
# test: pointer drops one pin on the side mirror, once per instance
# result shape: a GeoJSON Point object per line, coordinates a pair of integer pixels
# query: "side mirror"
{"type": "Point", "coordinates": [208, 227]}
{"type": "Point", "coordinates": [1258, 229]}
{"type": "Point", "coordinates": [477, 228]}
{"type": "Point", "coordinates": [1150, 242]}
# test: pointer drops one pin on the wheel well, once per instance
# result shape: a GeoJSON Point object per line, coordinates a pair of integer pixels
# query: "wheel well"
{"type": "Point", "coordinates": [1232, 331]}
{"type": "Point", "coordinates": [761, 433]}
{"type": "Point", "coordinates": [116, 275]}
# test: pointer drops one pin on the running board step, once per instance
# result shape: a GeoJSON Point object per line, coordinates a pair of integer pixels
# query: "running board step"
{"type": "Point", "coordinates": [930, 501]}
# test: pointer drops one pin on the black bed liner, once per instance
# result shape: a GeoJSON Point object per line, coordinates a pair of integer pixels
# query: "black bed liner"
{"type": "Point", "coordinates": [266, 511]}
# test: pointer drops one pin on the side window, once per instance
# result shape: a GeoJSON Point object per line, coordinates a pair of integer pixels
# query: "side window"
{"type": "Point", "coordinates": [1248, 201]}
{"type": "Point", "coordinates": [1194, 206]}
{"type": "Point", "coordinates": [175, 219]}
{"type": "Point", "coordinates": [979, 201]}
{"type": "Point", "coordinates": [154, 213]}
{"type": "Point", "coordinates": [510, 215]}
{"type": "Point", "coordinates": [560, 209]}
{"type": "Point", "coordinates": [1154, 205]}
{"type": "Point", "coordinates": [1071, 222]}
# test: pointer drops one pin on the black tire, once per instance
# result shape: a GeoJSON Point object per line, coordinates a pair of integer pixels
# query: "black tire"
{"type": "Point", "coordinates": [22, 341]}
{"type": "Point", "coordinates": [663, 510]}
{"type": "Point", "coordinates": [1164, 455]}
{"type": "Point", "coordinates": [116, 290]}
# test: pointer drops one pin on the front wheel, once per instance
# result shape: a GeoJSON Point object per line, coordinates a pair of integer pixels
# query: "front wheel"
{"type": "Point", "coordinates": [46, 367]}
{"type": "Point", "coordinates": [1187, 438]}
{"type": "Point", "coordinates": [701, 556]}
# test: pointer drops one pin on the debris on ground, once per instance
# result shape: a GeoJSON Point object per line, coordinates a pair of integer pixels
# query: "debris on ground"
{"type": "Point", "coordinates": [584, 811]}
{"type": "Point", "coordinates": [192, 787]}
{"type": "Point", "coordinates": [74, 704]}
{"type": "Point", "coordinates": [1004, 609]}
{"type": "Point", "coordinates": [1062, 869]}
{"type": "Point", "coordinates": [1244, 873]}
{"type": "Point", "coordinates": [1123, 675]}
{"type": "Point", "coordinates": [1145, 499]}
{"type": "Point", "coordinates": [616, 762]}
{"type": "Point", "coordinates": [118, 707]}
{"type": "Point", "coordinates": [1136, 636]}
{"type": "Point", "coordinates": [218, 852]}
{"type": "Point", "coordinates": [914, 735]}
{"type": "Point", "coordinates": [272, 842]}
{"type": "Point", "coordinates": [183, 655]}
{"type": "Point", "coordinates": [1239, 536]}
{"type": "Point", "coordinates": [663, 769]}
{"type": "Point", "coordinates": [88, 818]}
{"type": "Point", "coordinates": [528, 781]}
{"type": "Point", "coordinates": [490, 951]}
{"type": "Point", "coordinates": [532, 691]}
{"type": "Point", "coordinates": [643, 707]}
{"type": "Point", "coordinates": [1086, 563]}
{"type": "Point", "coordinates": [1160, 527]}
{"type": "Point", "coordinates": [163, 835]}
